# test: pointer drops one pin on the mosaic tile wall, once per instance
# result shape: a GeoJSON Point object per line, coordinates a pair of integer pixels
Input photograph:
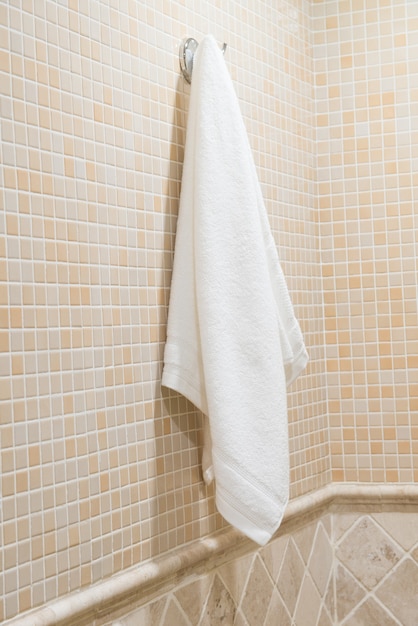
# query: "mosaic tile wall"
{"type": "Point", "coordinates": [366, 66]}
{"type": "Point", "coordinates": [100, 469]}
{"type": "Point", "coordinates": [297, 581]}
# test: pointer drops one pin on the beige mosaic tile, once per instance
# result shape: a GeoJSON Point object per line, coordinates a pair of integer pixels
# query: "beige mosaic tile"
{"type": "Point", "coordinates": [368, 225]}
{"type": "Point", "coordinates": [100, 466]}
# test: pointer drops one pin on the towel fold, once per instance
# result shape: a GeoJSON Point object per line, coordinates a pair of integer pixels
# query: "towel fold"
{"type": "Point", "coordinates": [233, 342]}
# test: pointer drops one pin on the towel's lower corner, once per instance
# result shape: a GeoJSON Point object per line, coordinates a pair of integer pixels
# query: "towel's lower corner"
{"type": "Point", "coordinates": [260, 534]}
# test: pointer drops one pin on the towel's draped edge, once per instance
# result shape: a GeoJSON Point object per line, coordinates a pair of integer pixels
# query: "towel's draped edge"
{"type": "Point", "coordinates": [177, 377]}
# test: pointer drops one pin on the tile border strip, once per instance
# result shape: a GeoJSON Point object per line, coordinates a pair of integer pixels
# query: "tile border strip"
{"type": "Point", "coordinates": [125, 589]}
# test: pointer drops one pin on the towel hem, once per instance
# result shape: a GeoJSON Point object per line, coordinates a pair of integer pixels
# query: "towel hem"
{"type": "Point", "coordinates": [235, 517]}
{"type": "Point", "coordinates": [258, 521]}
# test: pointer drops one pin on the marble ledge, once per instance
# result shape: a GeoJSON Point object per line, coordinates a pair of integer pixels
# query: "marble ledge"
{"type": "Point", "coordinates": [94, 603]}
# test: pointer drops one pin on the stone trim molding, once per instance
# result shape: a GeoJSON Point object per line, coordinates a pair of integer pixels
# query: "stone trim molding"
{"type": "Point", "coordinates": [112, 595]}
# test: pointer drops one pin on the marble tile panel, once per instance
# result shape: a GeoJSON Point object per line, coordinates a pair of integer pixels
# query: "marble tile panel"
{"type": "Point", "coordinates": [304, 539]}
{"type": "Point", "coordinates": [291, 576]}
{"type": "Point", "coordinates": [273, 554]}
{"type": "Point", "coordinates": [309, 604]}
{"type": "Point", "coordinates": [348, 592]}
{"type": "Point", "coordinates": [148, 615]}
{"type": "Point", "coordinates": [277, 613]}
{"type": "Point", "coordinates": [368, 552]}
{"type": "Point", "coordinates": [173, 615]}
{"type": "Point", "coordinates": [341, 523]}
{"type": "Point", "coordinates": [329, 599]}
{"type": "Point", "coordinates": [192, 597]}
{"type": "Point", "coordinates": [321, 561]}
{"type": "Point", "coordinates": [326, 521]}
{"type": "Point", "coordinates": [325, 619]}
{"type": "Point", "coordinates": [235, 575]}
{"type": "Point", "coordinates": [401, 526]}
{"type": "Point", "coordinates": [257, 594]}
{"type": "Point", "coordinates": [240, 619]}
{"type": "Point", "coordinates": [370, 614]}
{"type": "Point", "coordinates": [399, 592]}
{"type": "Point", "coordinates": [220, 608]}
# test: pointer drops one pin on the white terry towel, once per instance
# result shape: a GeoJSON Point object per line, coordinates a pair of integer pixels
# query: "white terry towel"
{"type": "Point", "coordinates": [233, 343]}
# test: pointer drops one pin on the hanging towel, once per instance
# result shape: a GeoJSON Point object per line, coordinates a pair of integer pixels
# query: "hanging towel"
{"type": "Point", "coordinates": [233, 343]}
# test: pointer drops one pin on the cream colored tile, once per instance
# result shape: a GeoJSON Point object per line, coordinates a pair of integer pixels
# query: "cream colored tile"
{"type": "Point", "coordinates": [257, 594]}
{"type": "Point", "coordinates": [329, 597]}
{"type": "Point", "coordinates": [370, 613]}
{"type": "Point", "coordinates": [239, 619]}
{"type": "Point", "coordinates": [235, 575]}
{"type": "Point", "coordinates": [368, 553]}
{"type": "Point", "coordinates": [304, 540]}
{"type": "Point", "coordinates": [341, 523]}
{"type": "Point", "coordinates": [290, 577]}
{"type": "Point", "coordinates": [309, 603]}
{"type": "Point", "coordinates": [174, 615]}
{"type": "Point", "coordinates": [402, 527]}
{"type": "Point", "coordinates": [220, 608]}
{"type": "Point", "coordinates": [321, 560]}
{"type": "Point", "coordinates": [348, 592]}
{"type": "Point", "coordinates": [324, 618]}
{"type": "Point", "coordinates": [399, 592]}
{"type": "Point", "coordinates": [149, 615]}
{"type": "Point", "coordinates": [277, 613]}
{"type": "Point", "coordinates": [272, 555]}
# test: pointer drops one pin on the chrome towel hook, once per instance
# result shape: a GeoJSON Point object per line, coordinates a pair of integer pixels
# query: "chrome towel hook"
{"type": "Point", "coordinates": [187, 50]}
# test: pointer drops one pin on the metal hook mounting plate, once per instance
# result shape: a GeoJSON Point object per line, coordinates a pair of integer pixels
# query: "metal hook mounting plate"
{"type": "Point", "coordinates": [187, 50]}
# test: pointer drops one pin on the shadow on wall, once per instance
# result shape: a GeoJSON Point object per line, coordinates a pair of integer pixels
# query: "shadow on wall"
{"type": "Point", "coordinates": [182, 508]}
